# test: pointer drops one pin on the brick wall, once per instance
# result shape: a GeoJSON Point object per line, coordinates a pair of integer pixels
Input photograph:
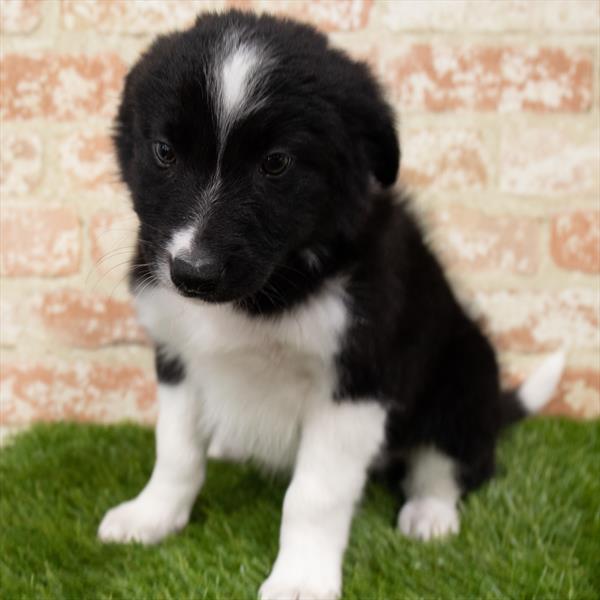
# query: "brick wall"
{"type": "Point", "coordinates": [500, 129]}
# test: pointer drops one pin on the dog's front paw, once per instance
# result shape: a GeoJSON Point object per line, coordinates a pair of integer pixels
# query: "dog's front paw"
{"type": "Point", "coordinates": [141, 520]}
{"type": "Point", "coordinates": [300, 584]}
{"type": "Point", "coordinates": [428, 518]}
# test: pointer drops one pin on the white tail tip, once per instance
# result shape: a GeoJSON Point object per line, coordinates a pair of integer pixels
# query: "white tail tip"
{"type": "Point", "coordinates": [537, 389]}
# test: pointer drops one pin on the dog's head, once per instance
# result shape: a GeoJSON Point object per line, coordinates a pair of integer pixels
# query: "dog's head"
{"type": "Point", "coordinates": [246, 141]}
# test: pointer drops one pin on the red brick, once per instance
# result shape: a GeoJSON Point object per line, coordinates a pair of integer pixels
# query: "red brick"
{"type": "Point", "coordinates": [459, 15]}
{"type": "Point", "coordinates": [348, 15]}
{"type": "Point", "coordinates": [112, 238]}
{"type": "Point", "coordinates": [60, 86]}
{"type": "Point", "coordinates": [410, 15]}
{"type": "Point", "coordinates": [445, 159]}
{"type": "Point", "coordinates": [76, 392]}
{"type": "Point", "coordinates": [88, 159]}
{"type": "Point", "coordinates": [569, 15]}
{"type": "Point", "coordinates": [470, 239]}
{"type": "Point", "coordinates": [541, 321]}
{"type": "Point", "coordinates": [503, 16]}
{"type": "Point", "coordinates": [489, 78]}
{"type": "Point", "coordinates": [39, 241]}
{"type": "Point", "coordinates": [125, 16]}
{"type": "Point", "coordinates": [575, 241]}
{"type": "Point", "coordinates": [88, 320]}
{"type": "Point", "coordinates": [10, 322]}
{"type": "Point", "coordinates": [549, 161]}
{"type": "Point", "coordinates": [20, 16]}
{"type": "Point", "coordinates": [578, 395]}
{"type": "Point", "coordinates": [21, 162]}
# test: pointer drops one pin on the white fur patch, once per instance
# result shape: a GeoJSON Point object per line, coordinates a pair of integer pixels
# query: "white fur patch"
{"type": "Point", "coordinates": [181, 242]}
{"type": "Point", "coordinates": [428, 518]}
{"type": "Point", "coordinates": [239, 75]}
{"type": "Point", "coordinates": [163, 506]}
{"type": "Point", "coordinates": [431, 473]}
{"type": "Point", "coordinates": [339, 442]}
{"type": "Point", "coordinates": [236, 73]}
{"type": "Point", "coordinates": [538, 388]}
{"type": "Point", "coordinates": [255, 375]}
{"type": "Point", "coordinates": [261, 388]}
{"type": "Point", "coordinates": [237, 78]}
{"type": "Point", "coordinates": [432, 490]}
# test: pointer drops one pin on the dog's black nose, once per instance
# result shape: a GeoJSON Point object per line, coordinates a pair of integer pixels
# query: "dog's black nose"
{"type": "Point", "coordinates": [196, 277]}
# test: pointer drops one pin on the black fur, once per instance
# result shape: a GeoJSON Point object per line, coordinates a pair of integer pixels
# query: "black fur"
{"type": "Point", "coordinates": [169, 369]}
{"type": "Point", "coordinates": [411, 346]}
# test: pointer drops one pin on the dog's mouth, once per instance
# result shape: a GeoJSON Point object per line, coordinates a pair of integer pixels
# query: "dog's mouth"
{"type": "Point", "coordinates": [207, 293]}
{"type": "Point", "coordinates": [198, 294]}
{"type": "Point", "coordinates": [209, 296]}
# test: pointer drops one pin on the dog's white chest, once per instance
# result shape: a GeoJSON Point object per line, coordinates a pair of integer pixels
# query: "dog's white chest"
{"type": "Point", "coordinates": [254, 377]}
{"type": "Point", "coordinates": [255, 400]}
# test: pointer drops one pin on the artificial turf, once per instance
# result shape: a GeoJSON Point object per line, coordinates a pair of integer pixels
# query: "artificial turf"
{"type": "Point", "coordinates": [533, 532]}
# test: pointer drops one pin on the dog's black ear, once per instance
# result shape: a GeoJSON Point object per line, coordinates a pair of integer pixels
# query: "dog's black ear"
{"type": "Point", "coordinates": [371, 119]}
{"type": "Point", "coordinates": [381, 144]}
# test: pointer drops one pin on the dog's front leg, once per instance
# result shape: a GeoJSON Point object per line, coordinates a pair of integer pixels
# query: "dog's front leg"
{"type": "Point", "coordinates": [338, 443]}
{"type": "Point", "coordinates": [164, 505]}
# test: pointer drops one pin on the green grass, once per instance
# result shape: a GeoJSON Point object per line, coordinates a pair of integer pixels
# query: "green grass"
{"type": "Point", "coordinates": [534, 532]}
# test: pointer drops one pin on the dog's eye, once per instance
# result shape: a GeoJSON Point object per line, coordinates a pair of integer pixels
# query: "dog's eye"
{"type": "Point", "coordinates": [275, 164]}
{"type": "Point", "coordinates": [164, 154]}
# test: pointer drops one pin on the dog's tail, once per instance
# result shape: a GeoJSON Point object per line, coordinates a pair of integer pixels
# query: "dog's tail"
{"type": "Point", "coordinates": [535, 392]}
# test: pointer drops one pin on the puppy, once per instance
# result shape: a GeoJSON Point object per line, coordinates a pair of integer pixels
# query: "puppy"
{"type": "Point", "coordinates": [298, 316]}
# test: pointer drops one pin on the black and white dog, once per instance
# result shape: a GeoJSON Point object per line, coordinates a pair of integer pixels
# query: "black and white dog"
{"type": "Point", "coordinates": [299, 318]}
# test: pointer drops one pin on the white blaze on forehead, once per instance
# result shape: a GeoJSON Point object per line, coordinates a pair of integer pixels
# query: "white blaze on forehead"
{"type": "Point", "coordinates": [181, 241]}
{"type": "Point", "coordinates": [237, 79]}
{"type": "Point", "coordinates": [236, 73]}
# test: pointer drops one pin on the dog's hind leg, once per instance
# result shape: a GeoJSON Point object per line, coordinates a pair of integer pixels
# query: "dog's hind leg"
{"type": "Point", "coordinates": [432, 491]}
{"type": "Point", "coordinates": [436, 479]}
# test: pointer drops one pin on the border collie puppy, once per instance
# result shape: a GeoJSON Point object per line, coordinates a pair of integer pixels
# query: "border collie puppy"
{"type": "Point", "coordinates": [298, 316]}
